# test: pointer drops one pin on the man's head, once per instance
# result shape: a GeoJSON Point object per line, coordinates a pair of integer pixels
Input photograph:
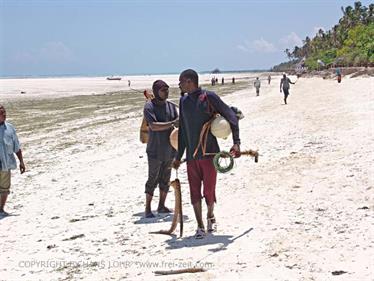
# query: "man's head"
{"type": "Point", "coordinates": [2, 114]}
{"type": "Point", "coordinates": [284, 75]}
{"type": "Point", "coordinates": [160, 90]}
{"type": "Point", "coordinates": [188, 81]}
{"type": "Point", "coordinates": [256, 78]}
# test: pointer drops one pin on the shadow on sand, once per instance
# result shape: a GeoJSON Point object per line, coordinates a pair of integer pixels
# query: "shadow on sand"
{"type": "Point", "coordinates": [7, 215]}
{"type": "Point", "coordinates": [157, 219]}
{"type": "Point", "coordinates": [222, 240]}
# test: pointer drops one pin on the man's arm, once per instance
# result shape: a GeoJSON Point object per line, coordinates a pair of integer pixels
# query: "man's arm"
{"type": "Point", "coordinates": [152, 121]}
{"type": "Point", "coordinates": [21, 164]}
{"type": "Point", "coordinates": [181, 138]}
{"type": "Point", "coordinates": [162, 126]}
{"type": "Point", "coordinates": [280, 86]}
{"type": "Point", "coordinates": [181, 133]}
{"type": "Point", "coordinates": [223, 109]}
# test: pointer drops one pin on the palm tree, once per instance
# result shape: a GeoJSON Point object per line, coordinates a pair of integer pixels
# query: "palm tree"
{"type": "Point", "coordinates": [370, 16]}
{"type": "Point", "coordinates": [289, 55]}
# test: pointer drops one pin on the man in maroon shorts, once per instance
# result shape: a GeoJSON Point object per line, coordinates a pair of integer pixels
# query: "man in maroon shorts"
{"type": "Point", "coordinates": [195, 109]}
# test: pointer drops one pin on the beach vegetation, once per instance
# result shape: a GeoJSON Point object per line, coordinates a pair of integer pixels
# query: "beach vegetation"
{"type": "Point", "coordinates": [348, 43]}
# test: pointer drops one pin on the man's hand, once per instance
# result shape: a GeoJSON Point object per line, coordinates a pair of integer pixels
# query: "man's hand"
{"type": "Point", "coordinates": [235, 151]}
{"type": "Point", "coordinates": [176, 163]}
{"type": "Point", "coordinates": [22, 167]}
{"type": "Point", "coordinates": [281, 90]}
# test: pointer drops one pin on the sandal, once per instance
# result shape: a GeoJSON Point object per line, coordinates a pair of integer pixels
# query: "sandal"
{"type": "Point", "coordinates": [149, 215]}
{"type": "Point", "coordinates": [211, 224]}
{"type": "Point", "coordinates": [200, 233]}
{"type": "Point", "coordinates": [163, 210]}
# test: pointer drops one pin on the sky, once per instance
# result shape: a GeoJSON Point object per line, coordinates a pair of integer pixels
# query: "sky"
{"type": "Point", "coordinates": [113, 37]}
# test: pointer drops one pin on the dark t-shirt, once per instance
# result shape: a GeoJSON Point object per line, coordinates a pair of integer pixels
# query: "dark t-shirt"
{"type": "Point", "coordinates": [194, 113]}
{"type": "Point", "coordinates": [286, 83]}
{"type": "Point", "coordinates": [158, 146]}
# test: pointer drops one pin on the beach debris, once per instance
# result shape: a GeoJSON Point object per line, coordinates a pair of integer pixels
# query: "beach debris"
{"type": "Point", "coordinates": [180, 271]}
{"type": "Point", "coordinates": [75, 220]}
{"type": "Point", "coordinates": [363, 208]}
{"type": "Point", "coordinates": [291, 266]}
{"type": "Point", "coordinates": [51, 246]}
{"type": "Point", "coordinates": [23, 92]}
{"type": "Point", "coordinates": [274, 255]}
{"type": "Point", "coordinates": [55, 218]}
{"type": "Point", "coordinates": [338, 272]}
{"type": "Point", "coordinates": [74, 237]}
{"type": "Point", "coordinates": [178, 214]}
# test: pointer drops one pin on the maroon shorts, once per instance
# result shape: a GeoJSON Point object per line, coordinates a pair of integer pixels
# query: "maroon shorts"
{"type": "Point", "coordinates": [202, 171]}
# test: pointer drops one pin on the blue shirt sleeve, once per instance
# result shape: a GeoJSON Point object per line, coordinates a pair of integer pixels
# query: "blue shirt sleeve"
{"type": "Point", "coordinates": [16, 144]}
{"type": "Point", "coordinates": [223, 109]}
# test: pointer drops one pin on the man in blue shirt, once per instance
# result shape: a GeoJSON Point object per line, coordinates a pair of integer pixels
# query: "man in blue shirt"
{"type": "Point", "coordinates": [9, 145]}
{"type": "Point", "coordinates": [161, 116]}
{"type": "Point", "coordinates": [195, 109]}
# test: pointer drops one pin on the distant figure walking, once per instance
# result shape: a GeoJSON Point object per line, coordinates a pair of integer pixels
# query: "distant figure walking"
{"type": "Point", "coordinates": [257, 85]}
{"type": "Point", "coordinates": [129, 83]}
{"type": "Point", "coordinates": [233, 80]}
{"type": "Point", "coordinates": [285, 86]}
{"type": "Point", "coordinates": [338, 74]}
{"type": "Point", "coordinates": [223, 81]}
{"type": "Point", "coordinates": [269, 79]}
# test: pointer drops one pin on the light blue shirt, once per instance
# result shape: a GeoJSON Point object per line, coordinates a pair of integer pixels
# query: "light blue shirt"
{"type": "Point", "coordinates": [9, 145]}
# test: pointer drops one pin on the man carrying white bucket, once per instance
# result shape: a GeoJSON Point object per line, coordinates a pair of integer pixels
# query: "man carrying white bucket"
{"type": "Point", "coordinates": [195, 112]}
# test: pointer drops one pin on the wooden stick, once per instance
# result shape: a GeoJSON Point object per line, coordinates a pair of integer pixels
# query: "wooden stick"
{"type": "Point", "coordinates": [250, 152]}
{"type": "Point", "coordinates": [180, 271]}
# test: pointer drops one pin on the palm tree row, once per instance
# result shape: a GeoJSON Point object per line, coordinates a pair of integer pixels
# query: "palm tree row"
{"type": "Point", "coordinates": [348, 43]}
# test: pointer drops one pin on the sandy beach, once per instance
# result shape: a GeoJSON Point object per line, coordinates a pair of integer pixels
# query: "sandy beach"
{"type": "Point", "coordinates": [305, 211]}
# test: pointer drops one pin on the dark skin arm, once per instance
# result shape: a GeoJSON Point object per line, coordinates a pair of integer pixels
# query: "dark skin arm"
{"type": "Point", "coordinates": [235, 151]}
{"type": "Point", "coordinates": [163, 126]}
{"type": "Point", "coordinates": [21, 164]}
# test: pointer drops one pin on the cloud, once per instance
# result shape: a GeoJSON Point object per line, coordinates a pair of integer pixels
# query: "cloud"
{"type": "Point", "coordinates": [259, 46]}
{"type": "Point", "coordinates": [55, 52]}
{"type": "Point", "coordinates": [291, 40]}
{"type": "Point", "coordinates": [264, 46]}
{"type": "Point", "coordinates": [242, 48]}
{"type": "Point", "coordinates": [50, 52]}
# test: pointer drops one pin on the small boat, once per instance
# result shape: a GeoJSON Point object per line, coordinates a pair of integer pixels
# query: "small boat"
{"type": "Point", "coordinates": [113, 78]}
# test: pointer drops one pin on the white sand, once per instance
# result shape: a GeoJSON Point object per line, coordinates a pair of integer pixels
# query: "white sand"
{"type": "Point", "coordinates": [60, 87]}
{"type": "Point", "coordinates": [298, 214]}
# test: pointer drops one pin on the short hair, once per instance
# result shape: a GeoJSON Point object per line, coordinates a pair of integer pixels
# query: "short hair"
{"type": "Point", "coordinates": [190, 74]}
